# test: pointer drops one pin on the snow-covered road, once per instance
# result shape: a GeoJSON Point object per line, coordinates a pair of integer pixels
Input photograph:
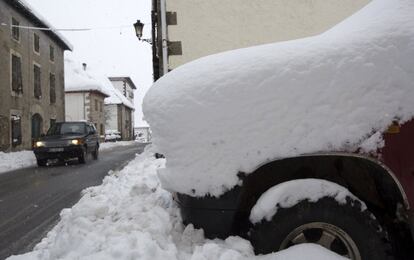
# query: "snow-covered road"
{"type": "Point", "coordinates": [130, 216]}
{"type": "Point", "coordinates": [23, 159]}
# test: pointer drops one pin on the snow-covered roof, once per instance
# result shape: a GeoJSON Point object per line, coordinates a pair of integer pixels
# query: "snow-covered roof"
{"type": "Point", "coordinates": [116, 97]}
{"type": "Point", "coordinates": [27, 10]}
{"type": "Point", "coordinates": [233, 111]}
{"type": "Point", "coordinates": [124, 79]}
{"type": "Point", "coordinates": [78, 79]}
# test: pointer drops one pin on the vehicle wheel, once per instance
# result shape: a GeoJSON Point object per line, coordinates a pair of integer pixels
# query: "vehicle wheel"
{"type": "Point", "coordinates": [82, 157]}
{"type": "Point", "coordinates": [343, 229]}
{"type": "Point", "coordinates": [95, 153]}
{"type": "Point", "coordinates": [41, 162]}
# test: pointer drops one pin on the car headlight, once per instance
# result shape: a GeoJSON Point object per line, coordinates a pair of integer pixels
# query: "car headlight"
{"type": "Point", "coordinates": [75, 141]}
{"type": "Point", "coordinates": [39, 144]}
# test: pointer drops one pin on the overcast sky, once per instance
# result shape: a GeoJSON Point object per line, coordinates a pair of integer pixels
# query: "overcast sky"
{"type": "Point", "coordinates": [113, 52]}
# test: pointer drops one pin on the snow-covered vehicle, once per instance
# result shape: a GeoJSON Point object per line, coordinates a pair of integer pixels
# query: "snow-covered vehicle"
{"type": "Point", "coordinates": [310, 140]}
{"type": "Point", "coordinates": [140, 138]}
{"type": "Point", "coordinates": [112, 136]}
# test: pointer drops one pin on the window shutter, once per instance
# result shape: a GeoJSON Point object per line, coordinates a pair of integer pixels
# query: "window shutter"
{"type": "Point", "coordinates": [17, 82]}
{"type": "Point", "coordinates": [52, 85]}
{"type": "Point", "coordinates": [16, 130]}
{"type": "Point", "coordinates": [37, 83]}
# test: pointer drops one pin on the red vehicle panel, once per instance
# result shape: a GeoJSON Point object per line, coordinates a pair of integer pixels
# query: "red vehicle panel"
{"type": "Point", "coordinates": [398, 155]}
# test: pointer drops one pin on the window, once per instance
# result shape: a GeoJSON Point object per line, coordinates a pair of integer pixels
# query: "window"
{"type": "Point", "coordinates": [68, 128]}
{"type": "Point", "coordinates": [17, 82]}
{"type": "Point", "coordinates": [15, 29]}
{"type": "Point", "coordinates": [96, 105]}
{"type": "Point", "coordinates": [16, 130]}
{"type": "Point", "coordinates": [52, 122]}
{"type": "Point", "coordinates": [52, 88]}
{"type": "Point", "coordinates": [36, 43]}
{"type": "Point", "coordinates": [37, 82]}
{"type": "Point", "coordinates": [51, 53]}
{"type": "Point", "coordinates": [100, 106]}
{"type": "Point", "coordinates": [88, 129]}
{"type": "Point", "coordinates": [92, 128]}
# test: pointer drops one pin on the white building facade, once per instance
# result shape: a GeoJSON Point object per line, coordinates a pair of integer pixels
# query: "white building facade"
{"type": "Point", "coordinates": [186, 30]}
{"type": "Point", "coordinates": [86, 105]}
{"type": "Point", "coordinates": [119, 107]}
{"type": "Point", "coordinates": [84, 96]}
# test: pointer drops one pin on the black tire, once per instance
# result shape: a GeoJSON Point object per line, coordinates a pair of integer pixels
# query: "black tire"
{"type": "Point", "coordinates": [82, 156]}
{"type": "Point", "coordinates": [41, 162]}
{"type": "Point", "coordinates": [315, 221]}
{"type": "Point", "coordinates": [95, 154]}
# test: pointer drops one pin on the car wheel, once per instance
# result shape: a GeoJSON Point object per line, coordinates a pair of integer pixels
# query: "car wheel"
{"type": "Point", "coordinates": [344, 229]}
{"type": "Point", "coordinates": [41, 162]}
{"type": "Point", "coordinates": [82, 156]}
{"type": "Point", "coordinates": [95, 153]}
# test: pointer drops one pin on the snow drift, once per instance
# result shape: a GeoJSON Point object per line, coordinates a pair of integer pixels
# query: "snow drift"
{"type": "Point", "coordinates": [130, 216]}
{"type": "Point", "coordinates": [16, 160]}
{"type": "Point", "coordinates": [337, 91]}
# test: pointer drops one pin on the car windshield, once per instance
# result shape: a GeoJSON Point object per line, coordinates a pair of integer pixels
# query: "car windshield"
{"type": "Point", "coordinates": [67, 129]}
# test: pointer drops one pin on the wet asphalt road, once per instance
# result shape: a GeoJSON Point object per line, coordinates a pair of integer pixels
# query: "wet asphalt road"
{"type": "Point", "coordinates": [32, 198]}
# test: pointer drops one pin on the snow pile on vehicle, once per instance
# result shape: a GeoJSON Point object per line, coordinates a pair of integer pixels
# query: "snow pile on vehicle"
{"type": "Point", "coordinates": [230, 112]}
{"type": "Point", "coordinates": [16, 160]}
{"type": "Point", "coordinates": [290, 193]}
{"type": "Point", "coordinates": [131, 217]}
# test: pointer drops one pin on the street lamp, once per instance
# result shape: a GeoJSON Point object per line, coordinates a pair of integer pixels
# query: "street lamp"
{"type": "Point", "coordinates": [138, 30]}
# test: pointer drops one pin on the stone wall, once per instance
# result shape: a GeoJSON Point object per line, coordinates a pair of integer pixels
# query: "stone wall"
{"type": "Point", "coordinates": [124, 116]}
{"type": "Point", "coordinates": [111, 117]}
{"type": "Point", "coordinates": [25, 105]}
{"type": "Point", "coordinates": [96, 111]}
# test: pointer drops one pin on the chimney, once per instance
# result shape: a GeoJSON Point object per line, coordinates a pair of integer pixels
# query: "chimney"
{"type": "Point", "coordinates": [84, 65]}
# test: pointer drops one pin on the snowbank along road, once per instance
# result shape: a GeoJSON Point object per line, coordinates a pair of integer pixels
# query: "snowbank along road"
{"type": "Point", "coordinates": [31, 198]}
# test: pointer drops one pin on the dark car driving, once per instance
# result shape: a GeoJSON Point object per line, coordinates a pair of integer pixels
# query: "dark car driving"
{"type": "Point", "coordinates": [66, 140]}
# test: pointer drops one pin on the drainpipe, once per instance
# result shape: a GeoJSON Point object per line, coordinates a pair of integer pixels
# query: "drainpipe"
{"type": "Point", "coordinates": [122, 122]}
{"type": "Point", "coordinates": [164, 38]}
{"type": "Point", "coordinates": [84, 106]}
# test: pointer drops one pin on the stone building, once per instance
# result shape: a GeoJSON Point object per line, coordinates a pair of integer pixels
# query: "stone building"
{"type": "Point", "coordinates": [31, 76]}
{"type": "Point", "coordinates": [126, 86]}
{"type": "Point", "coordinates": [84, 99]}
{"type": "Point", "coordinates": [119, 114]}
{"type": "Point", "coordinates": [184, 30]}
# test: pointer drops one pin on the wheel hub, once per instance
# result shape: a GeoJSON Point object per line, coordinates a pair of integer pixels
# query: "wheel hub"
{"type": "Point", "coordinates": [329, 236]}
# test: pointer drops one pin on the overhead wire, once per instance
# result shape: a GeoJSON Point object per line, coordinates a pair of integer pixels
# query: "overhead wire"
{"type": "Point", "coordinates": [67, 29]}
